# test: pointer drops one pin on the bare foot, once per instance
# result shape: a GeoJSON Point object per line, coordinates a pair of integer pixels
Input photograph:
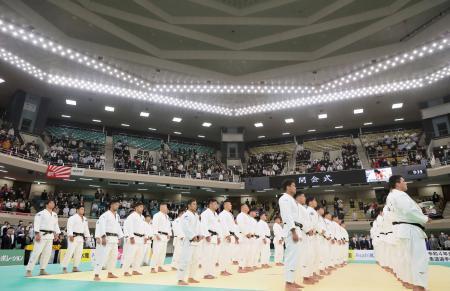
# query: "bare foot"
{"type": "Point", "coordinates": [96, 278]}
{"type": "Point", "coordinates": [297, 285]}
{"type": "Point", "coordinates": [192, 280]}
{"type": "Point", "coordinates": [112, 276]}
{"type": "Point", "coordinates": [136, 273]}
{"type": "Point", "coordinates": [290, 287]}
{"type": "Point", "coordinates": [28, 274]}
{"type": "Point", "coordinates": [174, 269]}
{"type": "Point", "coordinates": [209, 277]}
{"type": "Point", "coordinates": [242, 270]}
{"type": "Point", "coordinates": [126, 274]}
{"type": "Point", "coordinates": [308, 281]}
{"type": "Point", "coordinates": [182, 283]}
{"type": "Point", "coordinates": [153, 271]}
{"type": "Point", "coordinates": [75, 270]}
{"type": "Point", "coordinates": [43, 273]}
{"type": "Point", "coordinates": [225, 273]}
{"type": "Point", "coordinates": [65, 270]}
{"type": "Point", "coordinates": [161, 270]}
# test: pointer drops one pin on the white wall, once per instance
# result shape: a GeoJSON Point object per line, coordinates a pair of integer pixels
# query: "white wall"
{"type": "Point", "coordinates": [7, 182]}
{"type": "Point", "coordinates": [428, 191]}
{"type": "Point", "coordinates": [37, 189]}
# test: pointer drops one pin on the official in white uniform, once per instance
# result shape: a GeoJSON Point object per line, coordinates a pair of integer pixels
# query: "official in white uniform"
{"type": "Point", "coordinates": [134, 230]}
{"type": "Point", "coordinates": [178, 237]}
{"type": "Point", "coordinates": [163, 231]}
{"type": "Point", "coordinates": [278, 241]}
{"type": "Point", "coordinates": [408, 226]}
{"type": "Point", "coordinates": [148, 240]}
{"type": "Point", "coordinates": [254, 240]}
{"type": "Point", "coordinates": [291, 231]}
{"type": "Point", "coordinates": [314, 259]}
{"type": "Point", "coordinates": [192, 231]}
{"type": "Point", "coordinates": [229, 238]}
{"type": "Point", "coordinates": [211, 227]}
{"type": "Point", "coordinates": [45, 230]}
{"type": "Point", "coordinates": [108, 232]}
{"type": "Point", "coordinates": [304, 270]}
{"type": "Point", "coordinates": [263, 231]}
{"type": "Point", "coordinates": [244, 224]}
{"type": "Point", "coordinates": [77, 232]}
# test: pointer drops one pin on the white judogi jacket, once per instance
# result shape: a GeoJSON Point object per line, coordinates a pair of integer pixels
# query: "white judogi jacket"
{"type": "Point", "coordinates": [108, 223]}
{"type": "Point", "coordinates": [161, 223]}
{"type": "Point", "coordinates": [289, 212]}
{"type": "Point", "coordinates": [227, 224]}
{"type": "Point", "coordinates": [244, 224]}
{"type": "Point", "coordinates": [45, 220]}
{"type": "Point", "coordinates": [148, 231]}
{"type": "Point", "coordinates": [78, 224]}
{"type": "Point", "coordinates": [304, 219]}
{"type": "Point", "coordinates": [277, 232]}
{"type": "Point", "coordinates": [313, 219]}
{"type": "Point", "coordinates": [263, 231]}
{"type": "Point", "coordinates": [210, 223]}
{"type": "Point", "coordinates": [134, 224]}
{"type": "Point", "coordinates": [323, 228]}
{"type": "Point", "coordinates": [176, 227]}
{"type": "Point", "coordinates": [190, 226]}
{"type": "Point", "coordinates": [404, 209]}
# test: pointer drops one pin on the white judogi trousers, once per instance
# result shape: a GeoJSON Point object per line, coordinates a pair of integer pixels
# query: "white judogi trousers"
{"type": "Point", "coordinates": [244, 252]}
{"type": "Point", "coordinates": [106, 256]}
{"type": "Point", "coordinates": [74, 249]}
{"type": "Point", "coordinates": [264, 252]}
{"type": "Point", "coordinates": [188, 260]}
{"type": "Point", "coordinates": [226, 253]}
{"type": "Point", "coordinates": [177, 243]}
{"type": "Point", "coordinates": [42, 249]}
{"type": "Point", "coordinates": [147, 252]}
{"type": "Point", "coordinates": [159, 252]}
{"type": "Point", "coordinates": [210, 256]}
{"type": "Point", "coordinates": [254, 251]}
{"type": "Point", "coordinates": [416, 260]}
{"type": "Point", "coordinates": [291, 259]}
{"type": "Point", "coordinates": [279, 250]}
{"type": "Point", "coordinates": [132, 254]}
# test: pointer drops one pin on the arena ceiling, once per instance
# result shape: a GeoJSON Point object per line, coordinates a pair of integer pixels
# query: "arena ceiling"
{"type": "Point", "coordinates": [228, 62]}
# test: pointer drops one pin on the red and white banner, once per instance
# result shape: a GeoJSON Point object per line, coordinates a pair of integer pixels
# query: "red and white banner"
{"type": "Point", "coordinates": [58, 172]}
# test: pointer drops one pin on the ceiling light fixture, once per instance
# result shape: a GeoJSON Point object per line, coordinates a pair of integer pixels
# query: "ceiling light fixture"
{"type": "Point", "coordinates": [151, 128]}
{"type": "Point", "coordinates": [323, 116]}
{"type": "Point", "coordinates": [261, 136]}
{"type": "Point", "coordinates": [339, 126]}
{"type": "Point", "coordinates": [96, 120]}
{"type": "Point", "coordinates": [399, 119]}
{"type": "Point", "coordinates": [125, 124]}
{"type": "Point", "coordinates": [71, 102]}
{"type": "Point", "coordinates": [397, 105]}
{"type": "Point", "coordinates": [177, 132]}
{"type": "Point", "coordinates": [2, 81]}
{"type": "Point", "coordinates": [289, 120]}
{"type": "Point", "coordinates": [368, 123]}
{"type": "Point", "coordinates": [259, 124]}
{"type": "Point", "coordinates": [177, 119]}
{"type": "Point", "coordinates": [358, 111]}
{"type": "Point", "coordinates": [206, 124]}
{"type": "Point", "coordinates": [286, 133]}
{"type": "Point", "coordinates": [311, 130]}
{"type": "Point", "coordinates": [9, 178]}
{"type": "Point", "coordinates": [144, 114]}
{"type": "Point", "coordinates": [65, 116]}
{"type": "Point", "coordinates": [201, 136]}
{"type": "Point", "coordinates": [109, 108]}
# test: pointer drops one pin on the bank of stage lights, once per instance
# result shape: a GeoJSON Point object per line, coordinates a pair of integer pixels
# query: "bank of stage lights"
{"type": "Point", "coordinates": [147, 91]}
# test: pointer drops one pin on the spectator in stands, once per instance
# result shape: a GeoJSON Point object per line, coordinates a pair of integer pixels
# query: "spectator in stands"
{"type": "Point", "coordinates": [442, 238]}
{"type": "Point", "coordinates": [447, 244]}
{"type": "Point", "coordinates": [435, 198]}
{"type": "Point", "coordinates": [434, 243]}
{"type": "Point", "coordinates": [9, 239]}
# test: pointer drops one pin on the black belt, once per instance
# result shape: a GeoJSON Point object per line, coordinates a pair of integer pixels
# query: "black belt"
{"type": "Point", "coordinates": [46, 231]}
{"type": "Point", "coordinates": [298, 224]}
{"type": "Point", "coordinates": [111, 234]}
{"type": "Point", "coordinates": [78, 234]}
{"type": "Point", "coordinates": [257, 236]}
{"type": "Point", "coordinates": [162, 232]}
{"type": "Point", "coordinates": [388, 232]}
{"type": "Point", "coordinates": [212, 232]}
{"type": "Point", "coordinates": [268, 236]}
{"type": "Point", "coordinates": [232, 233]}
{"type": "Point", "coordinates": [139, 235]}
{"type": "Point", "coordinates": [411, 223]}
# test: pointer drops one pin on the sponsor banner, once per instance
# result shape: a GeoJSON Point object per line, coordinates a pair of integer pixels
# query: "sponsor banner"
{"type": "Point", "coordinates": [361, 255]}
{"type": "Point", "coordinates": [30, 247]}
{"type": "Point", "coordinates": [322, 179]}
{"type": "Point", "coordinates": [11, 257]}
{"type": "Point", "coordinates": [439, 256]}
{"type": "Point", "coordinates": [85, 257]}
{"type": "Point", "coordinates": [77, 172]}
{"type": "Point", "coordinates": [411, 172]}
{"type": "Point", "coordinates": [58, 172]}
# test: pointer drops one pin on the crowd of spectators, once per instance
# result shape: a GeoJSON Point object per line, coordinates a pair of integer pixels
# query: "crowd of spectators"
{"type": "Point", "coordinates": [348, 160]}
{"type": "Point", "coordinates": [438, 242]}
{"type": "Point", "coordinates": [360, 242]}
{"type": "Point", "coordinates": [15, 200]}
{"type": "Point", "coordinates": [398, 149]}
{"type": "Point", "coordinates": [123, 160]}
{"type": "Point", "coordinates": [66, 150]}
{"type": "Point", "coordinates": [66, 203]}
{"type": "Point", "coordinates": [266, 164]}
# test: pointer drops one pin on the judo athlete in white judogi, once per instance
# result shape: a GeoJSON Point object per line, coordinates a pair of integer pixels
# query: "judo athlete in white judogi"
{"type": "Point", "coordinates": [304, 271]}
{"type": "Point", "coordinates": [408, 227]}
{"type": "Point", "coordinates": [148, 240]}
{"type": "Point", "coordinates": [291, 232]}
{"type": "Point", "coordinates": [162, 231]}
{"type": "Point", "coordinates": [134, 230]}
{"type": "Point", "coordinates": [192, 231]}
{"type": "Point", "coordinates": [45, 230]}
{"type": "Point", "coordinates": [77, 231]}
{"type": "Point", "coordinates": [244, 224]}
{"type": "Point", "coordinates": [178, 237]}
{"type": "Point", "coordinates": [211, 227]}
{"type": "Point", "coordinates": [328, 219]}
{"type": "Point", "coordinates": [229, 238]}
{"type": "Point", "coordinates": [108, 232]}
{"type": "Point", "coordinates": [323, 238]}
{"type": "Point", "coordinates": [263, 231]}
{"type": "Point", "coordinates": [278, 241]}
{"type": "Point", "coordinates": [314, 245]}
{"type": "Point", "coordinates": [254, 243]}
